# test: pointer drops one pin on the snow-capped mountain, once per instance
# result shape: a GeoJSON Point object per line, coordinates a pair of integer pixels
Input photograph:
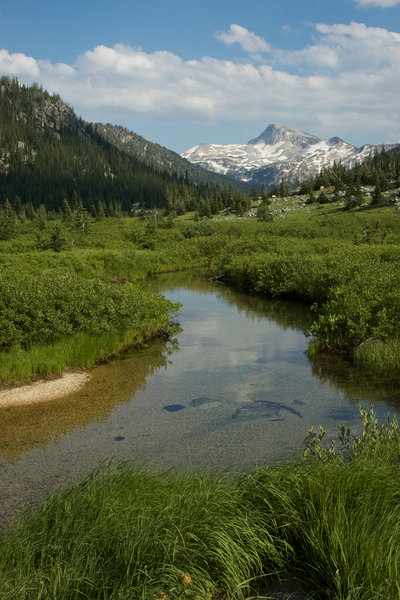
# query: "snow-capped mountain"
{"type": "Point", "coordinates": [279, 152]}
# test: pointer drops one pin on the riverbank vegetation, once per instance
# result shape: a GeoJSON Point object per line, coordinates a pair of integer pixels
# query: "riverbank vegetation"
{"type": "Point", "coordinates": [63, 285]}
{"type": "Point", "coordinates": [329, 522]}
{"type": "Point", "coordinates": [88, 210]}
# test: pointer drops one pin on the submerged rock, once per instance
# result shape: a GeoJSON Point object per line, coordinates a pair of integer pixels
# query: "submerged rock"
{"type": "Point", "coordinates": [201, 400]}
{"type": "Point", "coordinates": [173, 407]}
{"type": "Point", "coordinates": [263, 408]}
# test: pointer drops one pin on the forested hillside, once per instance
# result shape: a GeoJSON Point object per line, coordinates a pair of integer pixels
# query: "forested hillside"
{"type": "Point", "coordinates": [48, 155]}
{"type": "Point", "coordinates": [160, 158]}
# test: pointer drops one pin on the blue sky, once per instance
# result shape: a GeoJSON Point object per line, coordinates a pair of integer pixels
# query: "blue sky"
{"type": "Point", "coordinates": [180, 72]}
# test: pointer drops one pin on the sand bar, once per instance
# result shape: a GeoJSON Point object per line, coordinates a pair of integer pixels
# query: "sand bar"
{"type": "Point", "coordinates": [40, 391]}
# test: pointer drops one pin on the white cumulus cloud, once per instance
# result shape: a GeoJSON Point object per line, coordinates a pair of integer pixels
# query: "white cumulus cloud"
{"type": "Point", "coordinates": [18, 64]}
{"type": "Point", "coordinates": [351, 47]}
{"type": "Point", "coordinates": [381, 3]}
{"type": "Point", "coordinates": [346, 83]}
{"type": "Point", "coordinates": [249, 41]}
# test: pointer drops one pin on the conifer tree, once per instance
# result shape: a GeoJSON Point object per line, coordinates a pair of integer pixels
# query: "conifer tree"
{"type": "Point", "coordinates": [284, 189]}
{"type": "Point", "coordinates": [377, 196]}
{"type": "Point", "coordinates": [67, 216]}
{"type": "Point", "coordinates": [57, 239]}
{"type": "Point", "coordinates": [7, 221]}
{"type": "Point", "coordinates": [82, 219]}
{"type": "Point", "coordinates": [101, 211]}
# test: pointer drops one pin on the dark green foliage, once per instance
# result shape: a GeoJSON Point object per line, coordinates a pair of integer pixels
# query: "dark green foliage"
{"type": "Point", "coordinates": [353, 197]}
{"type": "Point", "coordinates": [45, 308]}
{"type": "Point", "coordinates": [81, 219]}
{"type": "Point", "coordinates": [377, 196]}
{"type": "Point", "coordinates": [283, 189]}
{"type": "Point", "coordinates": [49, 155]}
{"type": "Point", "coordinates": [7, 221]}
{"type": "Point", "coordinates": [323, 198]}
{"type": "Point", "coordinates": [241, 204]}
{"type": "Point", "coordinates": [66, 212]}
{"type": "Point", "coordinates": [57, 240]}
{"type": "Point", "coordinates": [264, 213]}
{"type": "Point", "coordinates": [40, 218]}
{"type": "Point", "coordinates": [312, 198]}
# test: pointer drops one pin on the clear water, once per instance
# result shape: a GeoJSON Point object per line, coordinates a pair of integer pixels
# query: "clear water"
{"type": "Point", "coordinates": [233, 390]}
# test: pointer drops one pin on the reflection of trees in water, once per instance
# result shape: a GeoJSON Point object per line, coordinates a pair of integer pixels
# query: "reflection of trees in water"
{"type": "Point", "coordinates": [334, 369]}
{"type": "Point", "coordinates": [286, 313]}
{"type": "Point", "coordinates": [32, 426]}
{"type": "Point", "coordinates": [196, 280]}
{"type": "Point", "coordinates": [357, 384]}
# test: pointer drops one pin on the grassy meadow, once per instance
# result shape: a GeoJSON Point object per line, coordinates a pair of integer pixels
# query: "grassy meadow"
{"type": "Point", "coordinates": [343, 263]}
{"type": "Point", "coordinates": [330, 520]}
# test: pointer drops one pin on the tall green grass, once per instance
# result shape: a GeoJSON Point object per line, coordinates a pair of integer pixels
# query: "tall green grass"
{"type": "Point", "coordinates": [331, 520]}
{"type": "Point", "coordinates": [80, 351]}
{"type": "Point", "coordinates": [382, 357]}
{"type": "Point", "coordinates": [132, 533]}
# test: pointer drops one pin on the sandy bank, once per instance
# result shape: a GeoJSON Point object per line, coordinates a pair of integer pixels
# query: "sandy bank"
{"type": "Point", "coordinates": [43, 390]}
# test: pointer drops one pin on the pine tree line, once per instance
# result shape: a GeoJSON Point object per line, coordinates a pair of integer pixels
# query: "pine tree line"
{"type": "Point", "coordinates": [48, 154]}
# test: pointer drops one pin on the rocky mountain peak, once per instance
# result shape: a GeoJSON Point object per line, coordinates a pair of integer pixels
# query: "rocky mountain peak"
{"type": "Point", "coordinates": [275, 134]}
{"type": "Point", "coordinates": [279, 152]}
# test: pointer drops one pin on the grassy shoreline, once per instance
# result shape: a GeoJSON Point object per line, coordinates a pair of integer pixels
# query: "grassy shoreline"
{"type": "Point", "coordinates": [81, 351]}
{"type": "Point", "coordinates": [332, 520]}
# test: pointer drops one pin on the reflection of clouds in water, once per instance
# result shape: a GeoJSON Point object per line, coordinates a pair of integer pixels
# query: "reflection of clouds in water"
{"type": "Point", "coordinates": [192, 339]}
{"type": "Point", "coordinates": [280, 348]}
{"type": "Point", "coordinates": [236, 357]}
{"type": "Point", "coordinates": [249, 390]}
{"type": "Point", "coordinates": [276, 342]}
{"type": "Point", "coordinates": [209, 328]}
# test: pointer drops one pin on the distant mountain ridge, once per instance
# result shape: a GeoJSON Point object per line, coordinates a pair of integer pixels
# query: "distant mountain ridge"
{"type": "Point", "coordinates": [279, 152]}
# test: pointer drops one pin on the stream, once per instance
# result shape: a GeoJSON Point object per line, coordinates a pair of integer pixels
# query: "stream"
{"type": "Point", "coordinates": [232, 390]}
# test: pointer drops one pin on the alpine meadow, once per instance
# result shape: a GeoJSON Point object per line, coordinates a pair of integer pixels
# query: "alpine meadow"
{"type": "Point", "coordinates": [90, 211]}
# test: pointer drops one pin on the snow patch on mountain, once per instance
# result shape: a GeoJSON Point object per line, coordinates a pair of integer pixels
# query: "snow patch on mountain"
{"type": "Point", "coordinates": [278, 152]}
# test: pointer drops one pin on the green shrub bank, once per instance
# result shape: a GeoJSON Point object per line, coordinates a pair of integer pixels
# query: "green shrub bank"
{"type": "Point", "coordinates": [84, 304]}
{"type": "Point", "coordinates": [345, 264]}
{"type": "Point", "coordinates": [43, 310]}
{"type": "Point", "coordinates": [352, 285]}
{"type": "Point", "coordinates": [331, 520]}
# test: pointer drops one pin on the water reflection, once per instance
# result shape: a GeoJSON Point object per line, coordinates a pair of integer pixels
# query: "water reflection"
{"type": "Point", "coordinates": [34, 425]}
{"type": "Point", "coordinates": [237, 391]}
{"type": "Point", "coordinates": [357, 384]}
{"type": "Point", "coordinates": [284, 312]}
